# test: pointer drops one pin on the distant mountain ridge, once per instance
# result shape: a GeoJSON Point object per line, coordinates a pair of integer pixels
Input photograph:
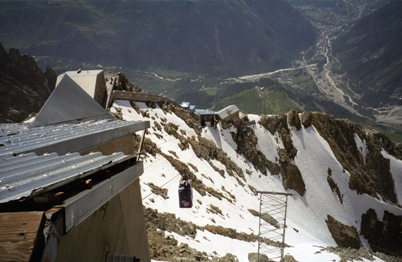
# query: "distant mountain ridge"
{"type": "Point", "coordinates": [218, 37]}
{"type": "Point", "coordinates": [371, 54]}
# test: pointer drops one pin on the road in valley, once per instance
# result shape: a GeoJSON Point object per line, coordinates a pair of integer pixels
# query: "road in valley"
{"type": "Point", "coordinates": [327, 82]}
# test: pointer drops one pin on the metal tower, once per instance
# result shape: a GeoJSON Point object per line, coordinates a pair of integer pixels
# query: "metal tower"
{"type": "Point", "coordinates": [272, 224]}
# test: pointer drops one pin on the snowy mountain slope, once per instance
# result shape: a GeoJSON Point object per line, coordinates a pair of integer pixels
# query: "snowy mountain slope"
{"type": "Point", "coordinates": [220, 221]}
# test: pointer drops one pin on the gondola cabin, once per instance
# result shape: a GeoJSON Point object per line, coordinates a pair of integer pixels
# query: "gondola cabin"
{"type": "Point", "coordinates": [185, 194]}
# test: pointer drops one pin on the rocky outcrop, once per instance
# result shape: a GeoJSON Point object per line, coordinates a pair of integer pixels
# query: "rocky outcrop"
{"type": "Point", "coordinates": [369, 174]}
{"type": "Point", "coordinates": [383, 235]}
{"type": "Point", "coordinates": [24, 87]}
{"type": "Point", "coordinates": [334, 187]}
{"type": "Point", "coordinates": [291, 175]}
{"type": "Point", "coordinates": [247, 141]}
{"type": "Point", "coordinates": [254, 257]}
{"type": "Point", "coordinates": [344, 235]}
{"type": "Point", "coordinates": [306, 118]}
{"type": "Point", "coordinates": [294, 119]}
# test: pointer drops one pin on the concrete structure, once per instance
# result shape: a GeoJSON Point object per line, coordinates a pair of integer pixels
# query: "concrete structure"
{"type": "Point", "coordinates": [207, 117]}
{"type": "Point", "coordinates": [229, 115]}
{"type": "Point", "coordinates": [69, 190]}
{"type": "Point", "coordinates": [91, 81]}
{"type": "Point", "coordinates": [68, 102]}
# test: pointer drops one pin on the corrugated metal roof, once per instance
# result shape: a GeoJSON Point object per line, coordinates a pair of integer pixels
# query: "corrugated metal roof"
{"type": "Point", "coordinates": [204, 112]}
{"type": "Point", "coordinates": [63, 138]}
{"type": "Point", "coordinates": [36, 160]}
{"type": "Point", "coordinates": [28, 175]}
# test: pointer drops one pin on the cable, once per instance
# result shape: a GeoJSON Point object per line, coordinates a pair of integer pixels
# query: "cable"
{"type": "Point", "coordinates": [168, 180]}
{"type": "Point", "coordinates": [161, 186]}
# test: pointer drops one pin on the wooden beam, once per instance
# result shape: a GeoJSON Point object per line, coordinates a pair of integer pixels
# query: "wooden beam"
{"type": "Point", "coordinates": [137, 97]}
{"type": "Point", "coordinates": [21, 236]}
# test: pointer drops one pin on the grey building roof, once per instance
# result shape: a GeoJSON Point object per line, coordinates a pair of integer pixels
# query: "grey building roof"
{"type": "Point", "coordinates": [63, 138]}
{"type": "Point", "coordinates": [204, 112]}
{"type": "Point", "coordinates": [36, 160]}
{"type": "Point", "coordinates": [28, 175]}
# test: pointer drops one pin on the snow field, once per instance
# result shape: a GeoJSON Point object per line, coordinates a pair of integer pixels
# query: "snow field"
{"type": "Point", "coordinates": [307, 232]}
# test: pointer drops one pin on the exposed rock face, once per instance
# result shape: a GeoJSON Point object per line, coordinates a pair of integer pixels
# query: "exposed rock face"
{"type": "Point", "coordinates": [306, 118]}
{"type": "Point", "coordinates": [294, 119]}
{"type": "Point", "coordinates": [383, 236]}
{"type": "Point", "coordinates": [247, 142]}
{"type": "Point", "coordinates": [24, 87]}
{"type": "Point", "coordinates": [334, 187]}
{"type": "Point", "coordinates": [291, 175]}
{"type": "Point", "coordinates": [344, 235]}
{"type": "Point", "coordinates": [369, 174]}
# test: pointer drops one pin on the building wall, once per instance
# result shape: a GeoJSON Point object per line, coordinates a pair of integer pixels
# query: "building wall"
{"type": "Point", "coordinates": [118, 227]}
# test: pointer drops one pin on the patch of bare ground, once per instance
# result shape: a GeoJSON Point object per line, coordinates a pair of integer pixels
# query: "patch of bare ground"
{"type": "Point", "coordinates": [344, 235]}
{"type": "Point", "coordinates": [166, 247]}
{"type": "Point", "coordinates": [163, 192]}
{"type": "Point", "coordinates": [266, 217]}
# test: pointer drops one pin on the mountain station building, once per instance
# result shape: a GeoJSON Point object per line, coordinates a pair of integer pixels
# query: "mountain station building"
{"type": "Point", "coordinates": [69, 181]}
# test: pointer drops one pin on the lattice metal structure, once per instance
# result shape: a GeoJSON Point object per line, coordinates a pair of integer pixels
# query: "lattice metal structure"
{"type": "Point", "coordinates": [272, 224]}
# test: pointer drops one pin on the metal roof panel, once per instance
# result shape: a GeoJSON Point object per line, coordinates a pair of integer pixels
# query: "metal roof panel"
{"type": "Point", "coordinates": [58, 171]}
{"type": "Point", "coordinates": [26, 169]}
{"type": "Point", "coordinates": [63, 138]}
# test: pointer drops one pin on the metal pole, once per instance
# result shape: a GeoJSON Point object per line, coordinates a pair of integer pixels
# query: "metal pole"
{"type": "Point", "coordinates": [259, 229]}
{"type": "Point", "coordinates": [141, 144]}
{"type": "Point", "coordinates": [284, 228]}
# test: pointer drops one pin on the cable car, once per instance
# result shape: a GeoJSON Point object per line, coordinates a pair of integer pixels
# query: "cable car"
{"type": "Point", "coordinates": [185, 194]}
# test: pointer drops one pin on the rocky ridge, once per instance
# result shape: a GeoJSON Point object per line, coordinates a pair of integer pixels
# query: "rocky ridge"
{"type": "Point", "coordinates": [24, 87]}
{"type": "Point", "coordinates": [369, 173]}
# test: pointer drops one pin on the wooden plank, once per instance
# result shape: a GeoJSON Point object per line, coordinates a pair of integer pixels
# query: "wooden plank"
{"type": "Point", "coordinates": [18, 233]}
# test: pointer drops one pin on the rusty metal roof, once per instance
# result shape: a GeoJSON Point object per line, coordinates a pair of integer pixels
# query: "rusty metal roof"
{"type": "Point", "coordinates": [36, 160]}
